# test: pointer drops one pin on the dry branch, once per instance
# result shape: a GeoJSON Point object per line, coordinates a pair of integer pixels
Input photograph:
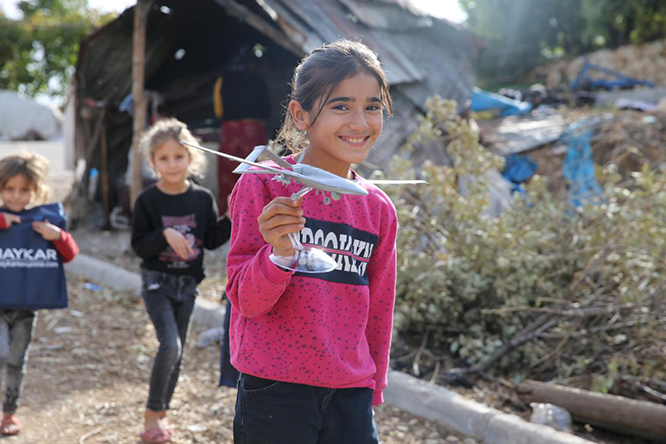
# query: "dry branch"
{"type": "Point", "coordinates": [628, 416]}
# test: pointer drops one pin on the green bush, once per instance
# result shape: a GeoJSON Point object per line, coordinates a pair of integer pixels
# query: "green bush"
{"type": "Point", "coordinates": [594, 274]}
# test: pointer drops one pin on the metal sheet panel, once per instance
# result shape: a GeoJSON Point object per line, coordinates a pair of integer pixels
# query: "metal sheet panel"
{"type": "Point", "coordinates": [387, 15]}
{"type": "Point", "coordinates": [314, 22]}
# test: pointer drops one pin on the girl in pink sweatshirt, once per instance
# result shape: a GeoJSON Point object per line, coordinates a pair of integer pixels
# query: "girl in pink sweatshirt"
{"type": "Point", "coordinates": [313, 349]}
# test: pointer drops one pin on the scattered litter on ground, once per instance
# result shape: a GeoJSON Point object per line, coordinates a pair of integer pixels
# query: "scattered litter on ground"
{"type": "Point", "coordinates": [92, 287]}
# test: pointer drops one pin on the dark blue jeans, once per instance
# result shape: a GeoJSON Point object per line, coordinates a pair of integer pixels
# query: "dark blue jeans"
{"type": "Point", "coordinates": [169, 301]}
{"type": "Point", "coordinates": [273, 412]}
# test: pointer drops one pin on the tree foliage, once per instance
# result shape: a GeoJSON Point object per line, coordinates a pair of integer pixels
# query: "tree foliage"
{"type": "Point", "coordinates": [584, 287]}
{"type": "Point", "coordinates": [38, 53]}
{"type": "Point", "coordinates": [522, 33]}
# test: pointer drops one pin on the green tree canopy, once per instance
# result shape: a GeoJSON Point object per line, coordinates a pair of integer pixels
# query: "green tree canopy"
{"type": "Point", "coordinates": [38, 52]}
{"type": "Point", "coordinates": [523, 33]}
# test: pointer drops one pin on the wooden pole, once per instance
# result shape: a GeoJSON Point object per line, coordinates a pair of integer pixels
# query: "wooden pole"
{"type": "Point", "coordinates": [616, 413]}
{"type": "Point", "coordinates": [141, 11]}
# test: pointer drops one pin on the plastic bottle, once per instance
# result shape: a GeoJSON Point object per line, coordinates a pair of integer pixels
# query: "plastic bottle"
{"type": "Point", "coordinates": [551, 415]}
{"type": "Point", "coordinates": [92, 184]}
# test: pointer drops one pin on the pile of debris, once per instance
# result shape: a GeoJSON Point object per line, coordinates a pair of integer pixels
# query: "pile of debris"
{"type": "Point", "coordinates": [628, 139]}
{"type": "Point", "coordinates": [631, 140]}
{"type": "Point", "coordinates": [643, 61]}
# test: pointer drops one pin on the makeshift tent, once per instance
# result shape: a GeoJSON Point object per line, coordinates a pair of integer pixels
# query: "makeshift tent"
{"type": "Point", "coordinates": [189, 45]}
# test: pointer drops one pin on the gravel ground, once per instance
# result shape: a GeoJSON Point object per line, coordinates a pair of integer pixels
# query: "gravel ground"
{"type": "Point", "coordinates": [88, 374]}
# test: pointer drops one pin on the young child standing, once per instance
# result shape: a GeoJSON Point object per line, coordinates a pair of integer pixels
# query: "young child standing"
{"type": "Point", "coordinates": [23, 182]}
{"type": "Point", "coordinates": [313, 349]}
{"type": "Point", "coordinates": [173, 221]}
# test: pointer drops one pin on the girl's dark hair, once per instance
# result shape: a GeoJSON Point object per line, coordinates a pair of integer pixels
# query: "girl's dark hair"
{"type": "Point", "coordinates": [319, 73]}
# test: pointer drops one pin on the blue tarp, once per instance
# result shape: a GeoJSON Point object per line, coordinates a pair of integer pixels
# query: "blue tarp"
{"type": "Point", "coordinates": [519, 169]}
{"type": "Point", "coordinates": [578, 169]}
{"type": "Point", "coordinates": [31, 269]}
{"type": "Point", "coordinates": [484, 101]}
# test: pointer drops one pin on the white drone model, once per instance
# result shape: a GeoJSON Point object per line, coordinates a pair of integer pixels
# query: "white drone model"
{"type": "Point", "coordinates": [307, 175]}
{"type": "Point", "coordinates": [306, 259]}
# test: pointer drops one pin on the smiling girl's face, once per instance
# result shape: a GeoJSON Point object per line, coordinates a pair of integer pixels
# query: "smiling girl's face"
{"type": "Point", "coordinates": [171, 161]}
{"type": "Point", "coordinates": [347, 127]}
{"type": "Point", "coordinates": [17, 193]}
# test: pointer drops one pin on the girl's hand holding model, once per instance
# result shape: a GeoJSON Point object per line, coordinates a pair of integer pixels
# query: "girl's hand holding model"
{"type": "Point", "coordinates": [279, 217]}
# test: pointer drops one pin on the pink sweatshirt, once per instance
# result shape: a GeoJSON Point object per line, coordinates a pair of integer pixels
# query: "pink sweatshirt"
{"type": "Point", "coordinates": [330, 329]}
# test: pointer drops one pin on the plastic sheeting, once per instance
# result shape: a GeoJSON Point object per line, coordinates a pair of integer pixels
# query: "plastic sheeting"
{"type": "Point", "coordinates": [24, 119]}
{"type": "Point", "coordinates": [484, 100]}
{"type": "Point", "coordinates": [578, 169]}
{"type": "Point", "coordinates": [513, 135]}
{"type": "Point", "coordinates": [519, 169]}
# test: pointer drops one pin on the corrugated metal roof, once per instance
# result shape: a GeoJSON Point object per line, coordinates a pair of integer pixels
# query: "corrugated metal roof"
{"type": "Point", "coordinates": [421, 55]}
{"type": "Point", "coordinates": [313, 22]}
{"type": "Point", "coordinates": [388, 15]}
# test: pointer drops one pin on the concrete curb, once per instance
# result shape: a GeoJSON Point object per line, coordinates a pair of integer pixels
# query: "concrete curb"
{"type": "Point", "coordinates": [461, 415]}
{"type": "Point", "coordinates": [436, 403]}
{"type": "Point", "coordinates": [207, 314]}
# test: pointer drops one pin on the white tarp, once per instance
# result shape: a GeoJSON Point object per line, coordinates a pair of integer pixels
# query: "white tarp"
{"type": "Point", "coordinates": [22, 119]}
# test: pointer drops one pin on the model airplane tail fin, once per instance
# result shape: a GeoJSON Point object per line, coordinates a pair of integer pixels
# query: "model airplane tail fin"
{"type": "Point", "coordinates": [252, 157]}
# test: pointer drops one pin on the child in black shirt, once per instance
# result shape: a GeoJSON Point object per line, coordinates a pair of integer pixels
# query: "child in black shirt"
{"type": "Point", "coordinates": [173, 221]}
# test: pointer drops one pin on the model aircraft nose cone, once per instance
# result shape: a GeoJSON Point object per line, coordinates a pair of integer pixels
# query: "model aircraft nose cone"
{"type": "Point", "coordinates": [359, 189]}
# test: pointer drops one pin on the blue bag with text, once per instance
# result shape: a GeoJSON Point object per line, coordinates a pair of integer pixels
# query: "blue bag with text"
{"type": "Point", "coordinates": [31, 269]}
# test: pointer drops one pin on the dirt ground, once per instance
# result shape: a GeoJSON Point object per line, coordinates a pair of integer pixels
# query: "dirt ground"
{"type": "Point", "coordinates": [87, 381]}
{"type": "Point", "coordinates": [114, 247]}
{"type": "Point", "coordinates": [397, 426]}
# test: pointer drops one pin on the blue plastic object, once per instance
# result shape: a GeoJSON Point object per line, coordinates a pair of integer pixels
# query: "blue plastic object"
{"type": "Point", "coordinates": [578, 169]}
{"type": "Point", "coordinates": [93, 287]}
{"type": "Point", "coordinates": [485, 100]}
{"type": "Point", "coordinates": [519, 169]}
{"type": "Point", "coordinates": [583, 81]}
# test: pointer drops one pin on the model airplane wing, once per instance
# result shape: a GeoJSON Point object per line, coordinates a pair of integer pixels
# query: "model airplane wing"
{"type": "Point", "coordinates": [280, 171]}
{"type": "Point", "coordinates": [396, 182]}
